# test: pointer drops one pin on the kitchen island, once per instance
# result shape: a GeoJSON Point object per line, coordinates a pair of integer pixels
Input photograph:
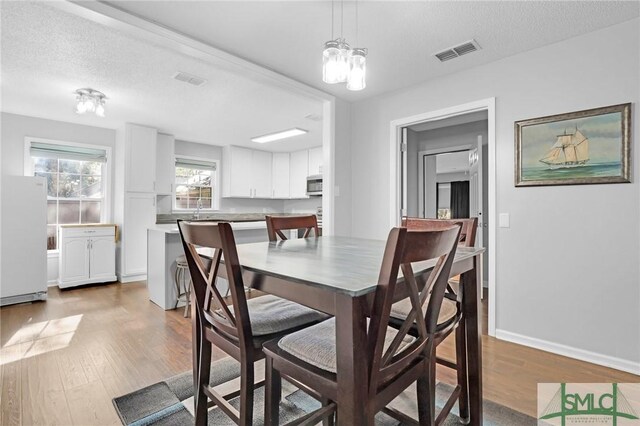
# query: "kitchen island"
{"type": "Point", "coordinates": [164, 246]}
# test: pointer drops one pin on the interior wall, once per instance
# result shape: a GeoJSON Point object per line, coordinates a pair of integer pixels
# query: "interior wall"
{"type": "Point", "coordinates": [430, 181]}
{"type": "Point", "coordinates": [591, 309]}
{"type": "Point", "coordinates": [342, 169]}
{"type": "Point", "coordinates": [16, 127]}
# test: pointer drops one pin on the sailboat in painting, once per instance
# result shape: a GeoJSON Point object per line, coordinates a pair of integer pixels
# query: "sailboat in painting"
{"type": "Point", "coordinates": [570, 150]}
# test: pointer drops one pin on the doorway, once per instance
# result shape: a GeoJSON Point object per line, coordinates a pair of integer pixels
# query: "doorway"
{"type": "Point", "coordinates": [417, 190]}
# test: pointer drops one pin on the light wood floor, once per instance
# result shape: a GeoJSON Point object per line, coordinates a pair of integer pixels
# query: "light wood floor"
{"type": "Point", "coordinates": [64, 360]}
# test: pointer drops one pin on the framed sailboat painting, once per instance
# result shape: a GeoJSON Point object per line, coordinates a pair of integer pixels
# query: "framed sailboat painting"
{"type": "Point", "coordinates": [582, 147]}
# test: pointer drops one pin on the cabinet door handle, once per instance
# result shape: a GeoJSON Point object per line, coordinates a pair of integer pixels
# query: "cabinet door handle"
{"type": "Point", "coordinates": [154, 185]}
{"type": "Point", "coordinates": [88, 244]}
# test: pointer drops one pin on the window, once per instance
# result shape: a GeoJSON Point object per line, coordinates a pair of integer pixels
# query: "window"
{"type": "Point", "coordinates": [75, 184]}
{"type": "Point", "coordinates": [196, 182]}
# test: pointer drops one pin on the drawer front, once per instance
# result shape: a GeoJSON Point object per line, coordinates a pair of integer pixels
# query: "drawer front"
{"type": "Point", "coordinates": [90, 231]}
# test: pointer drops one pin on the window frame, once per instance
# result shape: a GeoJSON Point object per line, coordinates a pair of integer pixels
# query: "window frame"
{"type": "Point", "coordinates": [106, 211]}
{"type": "Point", "coordinates": [215, 194]}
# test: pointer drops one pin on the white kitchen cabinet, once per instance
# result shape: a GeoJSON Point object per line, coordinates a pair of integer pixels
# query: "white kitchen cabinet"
{"type": "Point", "coordinates": [139, 214]}
{"type": "Point", "coordinates": [140, 158]}
{"type": "Point", "coordinates": [299, 171]}
{"type": "Point", "coordinates": [87, 255]}
{"type": "Point", "coordinates": [236, 172]}
{"type": "Point", "coordinates": [165, 164]}
{"type": "Point", "coordinates": [280, 175]}
{"type": "Point", "coordinates": [315, 161]}
{"type": "Point", "coordinates": [262, 163]}
{"type": "Point", "coordinates": [246, 173]}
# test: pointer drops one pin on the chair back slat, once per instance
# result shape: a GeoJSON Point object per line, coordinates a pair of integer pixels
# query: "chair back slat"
{"type": "Point", "coordinates": [467, 234]}
{"type": "Point", "coordinates": [277, 224]}
{"type": "Point", "coordinates": [404, 248]}
{"type": "Point", "coordinates": [218, 241]}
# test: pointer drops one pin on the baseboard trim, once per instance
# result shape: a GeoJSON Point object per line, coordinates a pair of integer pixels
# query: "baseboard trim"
{"type": "Point", "coordinates": [131, 278]}
{"type": "Point", "coordinates": [571, 352]}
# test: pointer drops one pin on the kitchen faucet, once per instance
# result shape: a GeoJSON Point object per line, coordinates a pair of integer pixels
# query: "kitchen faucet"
{"type": "Point", "coordinates": [196, 215]}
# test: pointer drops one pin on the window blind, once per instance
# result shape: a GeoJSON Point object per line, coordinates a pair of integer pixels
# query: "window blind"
{"type": "Point", "coordinates": [195, 164]}
{"type": "Point", "coordinates": [65, 152]}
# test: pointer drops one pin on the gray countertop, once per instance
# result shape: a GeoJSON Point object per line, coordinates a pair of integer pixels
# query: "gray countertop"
{"type": "Point", "coordinates": [164, 219]}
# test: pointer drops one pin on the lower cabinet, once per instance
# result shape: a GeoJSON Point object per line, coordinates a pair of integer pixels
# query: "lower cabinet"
{"type": "Point", "coordinates": [87, 255]}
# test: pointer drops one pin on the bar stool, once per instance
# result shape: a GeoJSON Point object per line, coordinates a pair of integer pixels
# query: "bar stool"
{"type": "Point", "coordinates": [183, 281]}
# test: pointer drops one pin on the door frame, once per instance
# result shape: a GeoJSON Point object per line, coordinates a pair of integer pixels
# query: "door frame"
{"type": "Point", "coordinates": [395, 177]}
{"type": "Point", "coordinates": [421, 155]}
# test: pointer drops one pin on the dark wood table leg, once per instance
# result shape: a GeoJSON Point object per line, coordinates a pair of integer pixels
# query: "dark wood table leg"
{"type": "Point", "coordinates": [471, 300]}
{"type": "Point", "coordinates": [351, 343]}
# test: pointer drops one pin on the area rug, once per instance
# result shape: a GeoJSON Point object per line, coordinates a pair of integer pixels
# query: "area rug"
{"type": "Point", "coordinates": [170, 403]}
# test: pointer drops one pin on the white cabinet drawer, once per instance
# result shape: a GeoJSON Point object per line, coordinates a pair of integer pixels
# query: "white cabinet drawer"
{"type": "Point", "coordinates": [89, 231]}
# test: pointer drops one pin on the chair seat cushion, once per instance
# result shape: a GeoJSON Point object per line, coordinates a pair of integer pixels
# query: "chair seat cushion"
{"type": "Point", "coordinates": [316, 345]}
{"type": "Point", "coordinates": [271, 314]}
{"type": "Point", "coordinates": [448, 310]}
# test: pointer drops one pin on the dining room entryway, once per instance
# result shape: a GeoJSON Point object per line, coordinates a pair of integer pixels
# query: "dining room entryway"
{"type": "Point", "coordinates": [444, 172]}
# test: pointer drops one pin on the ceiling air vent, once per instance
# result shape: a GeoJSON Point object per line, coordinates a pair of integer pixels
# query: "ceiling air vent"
{"type": "Point", "coordinates": [188, 78]}
{"type": "Point", "coordinates": [456, 51]}
{"type": "Point", "coordinates": [313, 117]}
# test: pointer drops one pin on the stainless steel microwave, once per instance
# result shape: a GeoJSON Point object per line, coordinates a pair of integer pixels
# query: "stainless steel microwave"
{"type": "Point", "coordinates": [314, 185]}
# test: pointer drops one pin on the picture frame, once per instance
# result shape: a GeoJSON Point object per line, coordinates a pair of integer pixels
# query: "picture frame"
{"type": "Point", "coordinates": [592, 146]}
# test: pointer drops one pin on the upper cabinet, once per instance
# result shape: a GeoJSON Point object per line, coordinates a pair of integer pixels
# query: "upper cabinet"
{"type": "Point", "coordinates": [299, 170]}
{"type": "Point", "coordinates": [315, 161]}
{"type": "Point", "coordinates": [246, 173]}
{"type": "Point", "coordinates": [140, 158]}
{"type": "Point", "coordinates": [261, 168]}
{"type": "Point", "coordinates": [280, 175]}
{"type": "Point", "coordinates": [165, 163]}
{"type": "Point", "coordinates": [249, 173]}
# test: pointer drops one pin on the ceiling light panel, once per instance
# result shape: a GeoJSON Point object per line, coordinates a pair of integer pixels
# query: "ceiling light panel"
{"type": "Point", "coordinates": [271, 137]}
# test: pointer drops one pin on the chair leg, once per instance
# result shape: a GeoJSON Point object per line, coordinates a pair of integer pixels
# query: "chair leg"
{"type": "Point", "coordinates": [202, 368]}
{"type": "Point", "coordinates": [246, 393]}
{"type": "Point", "coordinates": [327, 421]}
{"type": "Point", "coordinates": [426, 392]}
{"type": "Point", "coordinates": [176, 279]}
{"type": "Point", "coordinates": [272, 394]}
{"type": "Point", "coordinates": [187, 296]}
{"type": "Point", "coordinates": [461, 362]}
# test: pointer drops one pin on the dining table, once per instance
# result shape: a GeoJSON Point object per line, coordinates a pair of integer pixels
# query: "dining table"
{"type": "Point", "coordinates": [339, 276]}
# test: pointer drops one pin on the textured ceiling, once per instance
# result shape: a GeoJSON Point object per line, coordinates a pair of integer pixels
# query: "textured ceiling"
{"type": "Point", "coordinates": [47, 54]}
{"type": "Point", "coordinates": [402, 36]}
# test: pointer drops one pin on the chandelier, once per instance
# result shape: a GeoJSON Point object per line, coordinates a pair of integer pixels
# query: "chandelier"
{"type": "Point", "coordinates": [90, 100]}
{"type": "Point", "coordinates": [342, 63]}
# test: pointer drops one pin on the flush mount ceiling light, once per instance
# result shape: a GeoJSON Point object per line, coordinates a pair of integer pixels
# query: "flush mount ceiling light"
{"type": "Point", "coordinates": [279, 135]}
{"type": "Point", "coordinates": [340, 62]}
{"type": "Point", "coordinates": [90, 100]}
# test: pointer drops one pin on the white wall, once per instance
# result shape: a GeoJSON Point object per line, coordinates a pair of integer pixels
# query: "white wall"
{"type": "Point", "coordinates": [16, 127]}
{"type": "Point", "coordinates": [342, 164]}
{"type": "Point", "coordinates": [568, 267]}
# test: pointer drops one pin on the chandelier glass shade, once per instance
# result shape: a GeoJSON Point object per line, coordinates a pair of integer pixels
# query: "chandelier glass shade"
{"type": "Point", "coordinates": [90, 100]}
{"type": "Point", "coordinates": [357, 69]}
{"type": "Point", "coordinates": [343, 64]}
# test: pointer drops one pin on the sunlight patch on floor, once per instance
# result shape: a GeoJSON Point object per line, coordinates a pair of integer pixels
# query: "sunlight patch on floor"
{"type": "Point", "coordinates": [36, 338]}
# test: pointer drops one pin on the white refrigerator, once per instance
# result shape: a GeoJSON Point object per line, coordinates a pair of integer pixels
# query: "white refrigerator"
{"type": "Point", "coordinates": [23, 269]}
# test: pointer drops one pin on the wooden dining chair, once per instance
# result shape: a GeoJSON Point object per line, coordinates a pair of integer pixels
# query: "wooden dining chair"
{"type": "Point", "coordinates": [277, 224]}
{"type": "Point", "coordinates": [238, 329]}
{"type": "Point", "coordinates": [450, 317]}
{"type": "Point", "coordinates": [394, 358]}
{"type": "Point", "coordinates": [467, 233]}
